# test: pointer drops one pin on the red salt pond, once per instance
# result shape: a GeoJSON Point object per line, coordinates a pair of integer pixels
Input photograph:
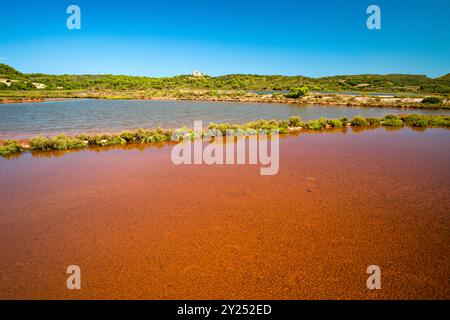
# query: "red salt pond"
{"type": "Point", "coordinates": [141, 227]}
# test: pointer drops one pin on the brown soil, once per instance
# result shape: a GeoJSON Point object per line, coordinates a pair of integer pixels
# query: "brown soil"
{"type": "Point", "coordinates": [21, 100]}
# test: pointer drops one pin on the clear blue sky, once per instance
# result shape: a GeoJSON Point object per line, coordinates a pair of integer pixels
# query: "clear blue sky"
{"type": "Point", "coordinates": [164, 37]}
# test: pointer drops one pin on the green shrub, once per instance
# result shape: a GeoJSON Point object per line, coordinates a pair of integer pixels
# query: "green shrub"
{"type": "Point", "coordinates": [421, 123]}
{"type": "Point", "coordinates": [40, 143]}
{"type": "Point", "coordinates": [284, 124]}
{"type": "Point", "coordinates": [10, 146]}
{"type": "Point", "coordinates": [283, 130]}
{"type": "Point", "coordinates": [432, 100]}
{"type": "Point", "coordinates": [373, 121]}
{"type": "Point", "coordinates": [127, 136]}
{"type": "Point", "coordinates": [335, 123]}
{"type": "Point", "coordinates": [83, 137]}
{"type": "Point", "coordinates": [390, 122]}
{"type": "Point", "coordinates": [222, 127]}
{"type": "Point", "coordinates": [415, 120]}
{"type": "Point", "coordinates": [59, 142]}
{"type": "Point", "coordinates": [98, 139]}
{"type": "Point", "coordinates": [63, 142]}
{"type": "Point", "coordinates": [261, 124]}
{"type": "Point", "coordinates": [160, 135]}
{"type": "Point", "coordinates": [178, 134]}
{"type": "Point", "coordinates": [146, 135]}
{"type": "Point", "coordinates": [272, 124]}
{"type": "Point", "coordinates": [295, 121]}
{"type": "Point", "coordinates": [391, 117]}
{"type": "Point", "coordinates": [168, 134]}
{"type": "Point", "coordinates": [359, 121]}
{"type": "Point", "coordinates": [439, 121]}
{"type": "Point", "coordinates": [297, 92]}
{"type": "Point", "coordinates": [106, 140]}
{"type": "Point", "coordinates": [114, 140]}
{"type": "Point", "coordinates": [314, 125]}
{"type": "Point", "coordinates": [323, 121]}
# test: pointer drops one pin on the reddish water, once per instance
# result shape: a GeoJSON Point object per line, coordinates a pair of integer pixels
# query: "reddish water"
{"type": "Point", "coordinates": [141, 227]}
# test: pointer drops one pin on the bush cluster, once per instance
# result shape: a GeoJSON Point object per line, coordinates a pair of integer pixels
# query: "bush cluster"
{"type": "Point", "coordinates": [59, 142]}
{"type": "Point", "coordinates": [10, 146]}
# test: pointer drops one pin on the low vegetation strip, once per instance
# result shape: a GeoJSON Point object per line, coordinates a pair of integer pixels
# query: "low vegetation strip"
{"type": "Point", "coordinates": [65, 142]}
{"type": "Point", "coordinates": [296, 96]}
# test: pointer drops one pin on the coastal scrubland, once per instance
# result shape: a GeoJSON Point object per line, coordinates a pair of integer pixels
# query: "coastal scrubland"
{"type": "Point", "coordinates": [365, 82]}
{"type": "Point", "coordinates": [398, 90]}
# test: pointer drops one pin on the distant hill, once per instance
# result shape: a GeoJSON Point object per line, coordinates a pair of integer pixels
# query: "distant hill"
{"type": "Point", "coordinates": [445, 77]}
{"type": "Point", "coordinates": [8, 71]}
{"type": "Point", "coordinates": [361, 83]}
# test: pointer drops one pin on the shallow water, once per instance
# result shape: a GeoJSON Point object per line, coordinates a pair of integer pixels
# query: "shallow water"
{"type": "Point", "coordinates": [141, 227]}
{"type": "Point", "coordinates": [23, 120]}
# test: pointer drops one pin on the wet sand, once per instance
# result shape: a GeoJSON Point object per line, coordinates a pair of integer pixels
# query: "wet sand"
{"type": "Point", "coordinates": [142, 228]}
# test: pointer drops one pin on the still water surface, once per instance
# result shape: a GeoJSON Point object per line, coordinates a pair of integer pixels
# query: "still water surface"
{"type": "Point", "coordinates": [141, 227]}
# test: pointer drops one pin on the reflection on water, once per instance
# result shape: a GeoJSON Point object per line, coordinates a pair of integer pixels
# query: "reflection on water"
{"type": "Point", "coordinates": [137, 146]}
{"type": "Point", "coordinates": [23, 120]}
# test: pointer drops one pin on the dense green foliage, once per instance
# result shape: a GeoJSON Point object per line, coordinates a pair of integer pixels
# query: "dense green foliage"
{"type": "Point", "coordinates": [10, 146]}
{"type": "Point", "coordinates": [359, 121]}
{"type": "Point", "coordinates": [416, 120]}
{"type": "Point", "coordinates": [432, 100]}
{"type": "Point", "coordinates": [392, 120]}
{"type": "Point", "coordinates": [381, 83]}
{"type": "Point", "coordinates": [335, 123]}
{"type": "Point", "coordinates": [298, 92]}
{"type": "Point", "coordinates": [9, 72]}
{"type": "Point", "coordinates": [295, 121]}
{"type": "Point", "coordinates": [315, 124]}
{"type": "Point", "coordinates": [373, 121]}
{"type": "Point", "coordinates": [60, 142]}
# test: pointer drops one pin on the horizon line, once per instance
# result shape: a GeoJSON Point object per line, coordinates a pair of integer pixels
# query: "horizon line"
{"type": "Point", "coordinates": [227, 74]}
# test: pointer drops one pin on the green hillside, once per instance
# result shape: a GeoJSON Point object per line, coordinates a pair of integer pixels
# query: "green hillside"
{"type": "Point", "coordinates": [445, 77]}
{"type": "Point", "coordinates": [363, 83]}
{"type": "Point", "coordinates": [9, 72]}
